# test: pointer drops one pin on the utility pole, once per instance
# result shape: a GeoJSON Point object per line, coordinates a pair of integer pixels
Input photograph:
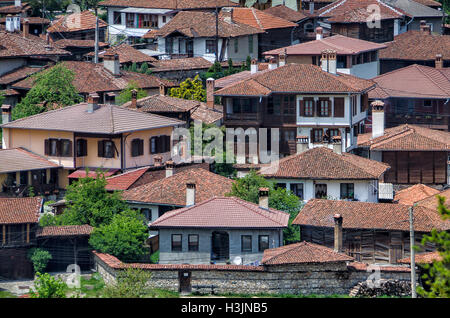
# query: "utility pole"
{"type": "Point", "coordinates": [217, 33]}
{"type": "Point", "coordinates": [96, 41]}
{"type": "Point", "coordinates": [412, 253]}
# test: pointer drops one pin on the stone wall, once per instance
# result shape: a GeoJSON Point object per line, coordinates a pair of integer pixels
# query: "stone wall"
{"type": "Point", "coordinates": [331, 278]}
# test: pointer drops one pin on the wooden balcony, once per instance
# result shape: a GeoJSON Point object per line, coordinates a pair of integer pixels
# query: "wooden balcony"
{"type": "Point", "coordinates": [245, 119]}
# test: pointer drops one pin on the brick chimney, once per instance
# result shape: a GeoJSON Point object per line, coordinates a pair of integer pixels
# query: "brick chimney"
{"type": "Point", "coordinates": [282, 58]}
{"type": "Point", "coordinates": [319, 33]}
{"type": "Point", "coordinates": [169, 168]}
{"type": "Point", "coordinates": [439, 62]}
{"type": "Point", "coordinates": [377, 118]}
{"type": "Point", "coordinates": [272, 64]}
{"type": "Point", "coordinates": [111, 63]}
{"type": "Point", "coordinates": [162, 89]}
{"type": "Point", "coordinates": [6, 114]}
{"type": "Point", "coordinates": [337, 144]}
{"type": "Point", "coordinates": [328, 61]}
{"type": "Point", "coordinates": [253, 66]}
{"type": "Point", "coordinates": [302, 144]}
{"type": "Point", "coordinates": [424, 27]}
{"type": "Point", "coordinates": [337, 233]}
{"type": "Point", "coordinates": [157, 161]}
{"type": "Point", "coordinates": [210, 92]}
{"type": "Point", "coordinates": [134, 99]}
{"type": "Point", "coordinates": [263, 198]}
{"type": "Point", "coordinates": [26, 28]}
{"type": "Point", "coordinates": [92, 102]}
{"type": "Point", "coordinates": [190, 193]}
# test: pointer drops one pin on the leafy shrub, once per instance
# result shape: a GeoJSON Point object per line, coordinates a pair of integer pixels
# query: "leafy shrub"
{"type": "Point", "coordinates": [47, 286]}
{"type": "Point", "coordinates": [40, 258]}
{"type": "Point", "coordinates": [131, 283]}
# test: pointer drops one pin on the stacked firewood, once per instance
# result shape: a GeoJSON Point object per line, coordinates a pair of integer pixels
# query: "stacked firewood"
{"type": "Point", "coordinates": [383, 287]}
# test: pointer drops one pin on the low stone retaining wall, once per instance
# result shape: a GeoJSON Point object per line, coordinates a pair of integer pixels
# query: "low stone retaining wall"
{"type": "Point", "coordinates": [327, 278]}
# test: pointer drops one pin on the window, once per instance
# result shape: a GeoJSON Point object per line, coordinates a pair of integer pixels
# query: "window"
{"type": "Point", "coordinates": [23, 177]}
{"type": "Point", "coordinates": [274, 105]}
{"type": "Point", "coordinates": [263, 242]}
{"type": "Point", "coordinates": [147, 20]}
{"type": "Point", "coordinates": [159, 144]}
{"type": "Point", "coordinates": [169, 45]}
{"type": "Point", "coordinates": [236, 45]}
{"type": "Point", "coordinates": [210, 46]}
{"type": "Point", "coordinates": [289, 104]}
{"type": "Point", "coordinates": [176, 243]}
{"type": "Point", "coordinates": [353, 101]}
{"type": "Point", "coordinates": [58, 147]}
{"type": "Point", "coordinates": [297, 189]}
{"type": "Point", "coordinates": [66, 146]}
{"type": "Point", "coordinates": [81, 147]}
{"type": "Point", "coordinates": [53, 176]}
{"type": "Point", "coordinates": [317, 135]}
{"type": "Point", "coordinates": [347, 191]}
{"type": "Point", "coordinates": [137, 147]}
{"type": "Point", "coordinates": [246, 243]}
{"type": "Point", "coordinates": [117, 17]}
{"type": "Point", "coordinates": [106, 149]}
{"type": "Point", "coordinates": [308, 107]}
{"type": "Point", "coordinates": [130, 20]}
{"type": "Point", "coordinates": [164, 19]}
{"type": "Point", "coordinates": [250, 44]}
{"type": "Point", "coordinates": [427, 103]}
{"type": "Point", "coordinates": [193, 242]}
{"type": "Point", "coordinates": [341, 61]}
{"type": "Point", "coordinates": [324, 110]}
{"type": "Point", "coordinates": [320, 191]}
{"type": "Point", "coordinates": [333, 132]}
{"type": "Point", "coordinates": [53, 147]}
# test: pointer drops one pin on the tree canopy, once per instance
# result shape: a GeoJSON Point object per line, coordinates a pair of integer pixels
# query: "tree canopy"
{"type": "Point", "coordinates": [125, 94]}
{"type": "Point", "coordinates": [190, 89]}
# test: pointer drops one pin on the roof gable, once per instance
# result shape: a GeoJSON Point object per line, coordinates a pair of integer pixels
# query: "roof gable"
{"type": "Point", "coordinates": [77, 21]}
{"type": "Point", "coordinates": [260, 19]}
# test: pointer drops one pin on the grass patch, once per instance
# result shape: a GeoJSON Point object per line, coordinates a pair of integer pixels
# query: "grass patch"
{"type": "Point", "coordinates": [93, 286]}
{"type": "Point", "coordinates": [6, 294]}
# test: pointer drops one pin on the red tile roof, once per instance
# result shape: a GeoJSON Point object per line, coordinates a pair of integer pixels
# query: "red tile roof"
{"type": "Point", "coordinates": [15, 45]}
{"type": "Point", "coordinates": [355, 11]}
{"type": "Point", "coordinates": [286, 13]}
{"type": "Point", "coordinates": [31, 20]}
{"type": "Point", "coordinates": [127, 54]}
{"type": "Point", "coordinates": [18, 74]}
{"type": "Point", "coordinates": [415, 193]}
{"type": "Point", "coordinates": [64, 231]}
{"type": "Point", "coordinates": [237, 77]}
{"type": "Point", "coordinates": [81, 173]}
{"type": "Point", "coordinates": [172, 190]}
{"type": "Point", "coordinates": [323, 163]}
{"type": "Point", "coordinates": [366, 215]}
{"type": "Point", "coordinates": [169, 4]}
{"type": "Point", "coordinates": [341, 44]}
{"type": "Point", "coordinates": [13, 9]}
{"type": "Point", "coordinates": [432, 201]}
{"type": "Point", "coordinates": [422, 258]}
{"type": "Point", "coordinates": [124, 180]}
{"type": "Point", "coordinates": [303, 253]}
{"type": "Point", "coordinates": [286, 79]}
{"type": "Point", "coordinates": [20, 159]}
{"type": "Point", "coordinates": [407, 138]}
{"type": "Point", "coordinates": [221, 212]}
{"type": "Point", "coordinates": [190, 63]}
{"type": "Point", "coordinates": [417, 46]}
{"type": "Point", "coordinates": [20, 210]}
{"type": "Point", "coordinates": [260, 19]}
{"type": "Point", "coordinates": [414, 81]}
{"type": "Point", "coordinates": [77, 21]}
{"type": "Point", "coordinates": [73, 43]}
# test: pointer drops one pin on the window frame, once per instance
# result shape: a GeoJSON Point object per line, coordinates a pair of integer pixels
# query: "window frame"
{"type": "Point", "coordinates": [260, 249]}
{"type": "Point", "coordinates": [176, 248]}
{"type": "Point", "coordinates": [193, 247]}
{"type": "Point", "coordinates": [246, 250]}
{"type": "Point", "coordinates": [208, 46]}
{"type": "Point", "coordinates": [346, 190]}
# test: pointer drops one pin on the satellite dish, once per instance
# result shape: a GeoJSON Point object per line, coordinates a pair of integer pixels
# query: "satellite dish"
{"type": "Point", "coordinates": [237, 260]}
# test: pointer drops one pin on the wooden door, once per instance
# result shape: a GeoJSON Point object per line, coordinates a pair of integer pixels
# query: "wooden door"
{"type": "Point", "coordinates": [184, 281]}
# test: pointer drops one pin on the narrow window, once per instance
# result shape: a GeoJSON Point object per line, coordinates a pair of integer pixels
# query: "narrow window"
{"type": "Point", "coordinates": [210, 46]}
{"type": "Point", "coordinates": [347, 191]}
{"type": "Point", "coordinates": [263, 242]}
{"type": "Point", "coordinates": [246, 243]}
{"type": "Point", "coordinates": [81, 147]}
{"type": "Point", "coordinates": [176, 243]}
{"type": "Point", "coordinates": [193, 242]}
{"type": "Point", "coordinates": [297, 189]}
{"type": "Point", "coordinates": [250, 44]}
{"type": "Point", "coordinates": [320, 191]}
{"type": "Point", "coordinates": [309, 107]}
{"type": "Point", "coordinates": [137, 147]}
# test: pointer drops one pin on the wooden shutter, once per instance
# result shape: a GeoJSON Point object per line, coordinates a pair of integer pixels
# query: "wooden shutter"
{"type": "Point", "coordinates": [329, 107]}
{"type": "Point", "coordinates": [70, 154]}
{"type": "Point", "coordinates": [312, 135]}
{"type": "Point", "coordinates": [302, 108]}
{"type": "Point", "coordinates": [339, 107]}
{"type": "Point", "coordinates": [167, 143]}
{"type": "Point", "coordinates": [47, 147]}
{"type": "Point", "coordinates": [364, 102]}
{"type": "Point", "coordinates": [141, 147]}
{"type": "Point", "coordinates": [316, 105]}
{"type": "Point", "coordinates": [101, 148]}
{"type": "Point", "coordinates": [135, 147]}
{"type": "Point", "coordinates": [58, 148]}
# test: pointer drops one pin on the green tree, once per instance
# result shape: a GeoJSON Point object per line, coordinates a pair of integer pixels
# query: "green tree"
{"type": "Point", "coordinates": [124, 237]}
{"type": "Point", "coordinates": [90, 203]}
{"type": "Point", "coordinates": [40, 258]}
{"type": "Point", "coordinates": [190, 89]}
{"type": "Point", "coordinates": [437, 276]}
{"type": "Point", "coordinates": [131, 283]}
{"type": "Point", "coordinates": [246, 66]}
{"type": "Point", "coordinates": [47, 286]}
{"type": "Point", "coordinates": [247, 188]}
{"type": "Point", "coordinates": [50, 87]}
{"type": "Point", "coordinates": [50, 6]}
{"type": "Point", "coordinates": [125, 94]}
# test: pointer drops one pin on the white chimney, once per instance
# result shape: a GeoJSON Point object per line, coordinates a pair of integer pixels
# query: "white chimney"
{"type": "Point", "coordinates": [338, 233]}
{"type": "Point", "coordinates": [264, 198]}
{"type": "Point", "coordinates": [253, 66]}
{"type": "Point", "coordinates": [302, 144]}
{"type": "Point", "coordinates": [337, 144]}
{"type": "Point", "coordinates": [328, 61]}
{"type": "Point", "coordinates": [169, 168]}
{"type": "Point", "coordinates": [282, 58]}
{"type": "Point", "coordinates": [92, 102]}
{"type": "Point", "coordinates": [111, 63]}
{"type": "Point", "coordinates": [377, 118]}
{"type": "Point", "coordinates": [272, 64]}
{"type": "Point", "coordinates": [438, 62]}
{"type": "Point", "coordinates": [16, 20]}
{"type": "Point", "coordinates": [17, 3]}
{"type": "Point", "coordinates": [319, 33]}
{"type": "Point", "coordinates": [311, 6]}
{"type": "Point", "coordinates": [9, 26]}
{"type": "Point", "coordinates": [190, 193]}
{"type": "Point", "coordinates": [6, 114]}
{"type": "Point", "coordinates": [157, 161]}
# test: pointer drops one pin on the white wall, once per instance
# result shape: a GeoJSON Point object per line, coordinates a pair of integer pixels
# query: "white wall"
{"type": "Point", "coordinates": [366, 70]}
{"type": "Point", "coordinates": [7, 65]}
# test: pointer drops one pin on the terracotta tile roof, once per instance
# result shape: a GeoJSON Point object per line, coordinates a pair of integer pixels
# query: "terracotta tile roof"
{"type": "Point", "coordinates": [124, 180]}
{"type": "Point", "coordinates": [162, 104]}
{"type": "Point", "coordinates": [191, 63]}
{"type": "Point", "coordinates": [31, 20]}
{"type": "Point", "coordinates": [172, 190]}
{"type": "Point", "coordinates": [323, 163]}
{"type": "Point", "coordinates": [9, 92]}
{"type": "Point", "coordinates": [64, 231]}
{"type": "Point", "coordinates": [341, 44]}
{"type": "Point", "coordinates": [432, 202]}
{"type": "Point", "coordinates": [20, 159]}
{"type": "Point", "coordinates": [415, 193]}
{"type": "Point", "coordinates": [355, 11]}
{"type": "Point", "coordinates": [107, 119]}
{"type": "Point", "coordinates": [151, 34]}
{"type": "Point", "coordinates": [303, 253]}
{"type": "Point", "coordinates": [237, 77]}
{"type": "Point", "coordinates": [20, 210]}
{"type": "Point", "coordinates": [15, 45]}
{"type": "Point", "coordinates": [90, 77]}
{"type": "Point", "coordinates": [169, 4]}
{"type": "Point", "coordinates": [72, 43]}
{"type": "Point", "coordinates": [406, 138]}
{"type": "Point", "coordinates": [366, 215]}
{"type": "Point", "coordinates": [422, 258]}
{"type": "Point", "coordinates": [115, 263]}
{"type": "Point", "coordinates": [81, 173]}
{"type": "Point", "coordinates": [286, 79]}
{"type": "Point", "coordinates": [127, 54]}
{"type": "Point", "coordinates": [77, 21]}
{"type": "Point", "coordinates": [18, 74]}
{"type": "Point", "coordinates": [260, 19]}
{"type": "Point", "coordinates": [12, 9]}
{"type": "Point", "coordinates": [195, 24]}
{"type": "Point", "coordinates": [221, 212]}
{"type": "Point", "coordinates": [417, 46]}
{"type": "Point", "coordinates": [414, 81]}
{"type": "Point", "coordinates": [286, 13]}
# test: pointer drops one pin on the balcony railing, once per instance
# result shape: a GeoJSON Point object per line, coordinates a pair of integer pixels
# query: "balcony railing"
{"type": "Point", "coordinates": [242, 116]}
